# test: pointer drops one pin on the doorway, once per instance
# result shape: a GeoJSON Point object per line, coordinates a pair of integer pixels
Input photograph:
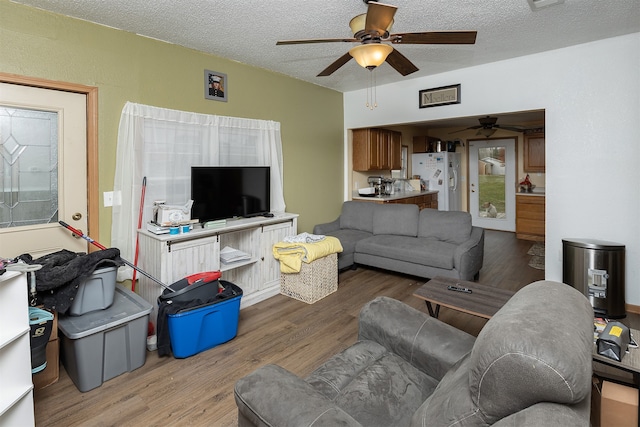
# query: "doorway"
{"type": "Point", "coordinates": [492, 177]}
{"type": "Point", "coordinates": [48, 145]}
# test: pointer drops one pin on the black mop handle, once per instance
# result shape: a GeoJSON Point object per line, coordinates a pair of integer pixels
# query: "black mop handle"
{"type": "Point", "coordinates": [90, 240]}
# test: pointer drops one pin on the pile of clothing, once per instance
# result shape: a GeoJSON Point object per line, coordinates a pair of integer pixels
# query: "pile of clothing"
{"type": "Point", "coordinates": [62, 272]}
{"type": "Point", "coordinates": [304, 247]}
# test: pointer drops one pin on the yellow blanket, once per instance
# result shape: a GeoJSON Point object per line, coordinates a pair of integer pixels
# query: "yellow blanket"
{"type": "Point", "coordinates": [291, 255]}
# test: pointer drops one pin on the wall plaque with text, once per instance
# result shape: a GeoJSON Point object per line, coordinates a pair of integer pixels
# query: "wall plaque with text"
{"type": "Point", "coordinates": [438, 96]}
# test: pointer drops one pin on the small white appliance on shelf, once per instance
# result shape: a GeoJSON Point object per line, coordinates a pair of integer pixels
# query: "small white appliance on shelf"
{"type": "Point", "coordinates": [367, 191]}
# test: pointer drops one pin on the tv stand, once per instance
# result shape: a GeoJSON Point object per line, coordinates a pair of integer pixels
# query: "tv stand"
{"type": "Point", "coordinates": [170, 258]}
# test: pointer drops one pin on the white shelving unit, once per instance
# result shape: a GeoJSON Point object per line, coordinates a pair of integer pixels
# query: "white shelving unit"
{"type": "Point", "coordinates": [16, 397]}
{"type": "Point", "coordinates": [169, 258]}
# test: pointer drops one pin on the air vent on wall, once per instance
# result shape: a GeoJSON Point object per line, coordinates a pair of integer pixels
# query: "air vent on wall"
{"type": "Point", "coordinates": [540, 4]}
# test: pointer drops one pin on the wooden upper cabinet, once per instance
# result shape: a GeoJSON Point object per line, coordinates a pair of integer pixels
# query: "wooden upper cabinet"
{"type": "Point", "coordinates": [534, 153]}
{"type": "Point", "coordinates": [376, 149]}
{"type": "Point", "coordinates": [396, 150]}
{"type": "Point", "coordinates": [425, 144]}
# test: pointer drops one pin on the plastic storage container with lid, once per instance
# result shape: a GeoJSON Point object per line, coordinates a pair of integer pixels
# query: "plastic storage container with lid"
{"type": "Point", "coordinates": [96, 292]}
{"type": "Point", "coordinates": [101, 345]}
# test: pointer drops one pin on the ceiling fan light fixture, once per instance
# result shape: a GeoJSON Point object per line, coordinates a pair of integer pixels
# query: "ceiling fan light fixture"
{"type": "Point", "coordinates": [358, 23]}
{"type": "Point", "coordinates": [486, 132]}
{"type": "Point", "coordinates": [370, 55]}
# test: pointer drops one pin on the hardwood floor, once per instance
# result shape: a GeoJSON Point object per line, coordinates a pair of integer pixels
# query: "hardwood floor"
{"type": "Point", "coordinates": [199, 390]}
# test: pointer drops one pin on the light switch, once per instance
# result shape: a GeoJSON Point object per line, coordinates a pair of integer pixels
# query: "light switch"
{"type": "Point", "coordinates": [108, 198]}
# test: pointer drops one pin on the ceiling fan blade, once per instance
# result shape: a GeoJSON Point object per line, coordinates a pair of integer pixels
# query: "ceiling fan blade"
{"type": "Point", "coordinates": [469, 128]}
{"type": "Point", "coordinates": [401, 63]}
{"type": "Point", "coordinates": [287, 42]}
{"type": "Point", "coordinates": [513, 129]}
{"type": "Point", "coordinates": [379, 17]}
{"type": "Point", "coordinates": [335, 65]}
{"type": "Point", "coordinates": [435, 37]}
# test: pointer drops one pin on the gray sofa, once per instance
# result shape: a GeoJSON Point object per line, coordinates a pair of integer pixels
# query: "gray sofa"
{"type": "Point", "coordinates": [424, 243]}
{"type": "Point", "coordinates": [529, 366]}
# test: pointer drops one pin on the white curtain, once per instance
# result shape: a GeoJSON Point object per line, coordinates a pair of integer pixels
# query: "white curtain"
{"type": "Point", "coordinates": [162, 145]}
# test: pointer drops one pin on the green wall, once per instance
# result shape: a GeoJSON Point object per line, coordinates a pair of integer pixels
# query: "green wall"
{"type": "Point", "coordinates": [126, 67]}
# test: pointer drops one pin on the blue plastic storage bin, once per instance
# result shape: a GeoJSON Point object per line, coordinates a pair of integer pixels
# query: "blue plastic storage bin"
{"type": "Point", "coordinates": [199, 329]}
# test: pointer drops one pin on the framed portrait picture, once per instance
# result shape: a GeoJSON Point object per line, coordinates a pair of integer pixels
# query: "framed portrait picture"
{"type": "Point", "coordinates": [216, 85]}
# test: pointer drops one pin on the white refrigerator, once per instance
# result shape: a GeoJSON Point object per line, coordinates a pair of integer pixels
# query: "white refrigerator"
{"type": "Point", "coordinates": [441, 172]}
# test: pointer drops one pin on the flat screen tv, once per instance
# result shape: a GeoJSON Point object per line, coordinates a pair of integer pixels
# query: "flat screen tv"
{"type": "Point", "coordinates": [223, 192]}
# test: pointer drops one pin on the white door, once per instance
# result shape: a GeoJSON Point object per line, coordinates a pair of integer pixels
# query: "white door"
{"type": "Point", "coordinates": [492, 183]}
{"type": "Point", "coordinates": [43, 167]}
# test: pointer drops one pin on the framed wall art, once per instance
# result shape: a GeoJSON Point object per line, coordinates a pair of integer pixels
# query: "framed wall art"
{"type": "Point", "coordinates": [438, 96]}
{"type": "Point", "coordinates": [216, 85]}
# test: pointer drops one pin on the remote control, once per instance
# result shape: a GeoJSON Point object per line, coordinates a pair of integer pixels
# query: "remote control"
{"type": "Point", "coordinates": [459, 289]}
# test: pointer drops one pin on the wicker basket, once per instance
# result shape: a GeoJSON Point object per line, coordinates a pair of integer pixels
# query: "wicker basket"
{"type": "Point", "coordinates": [315, 280]}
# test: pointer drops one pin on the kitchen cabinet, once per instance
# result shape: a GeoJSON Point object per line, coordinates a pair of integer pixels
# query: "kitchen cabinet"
{"type": "Point", "coordinates": [425, 144]}
{"type": "Point", "coordinates": [16, 399]}
{"type": "Point", "coordinates": [425, 200]}
{"type": "Point", "coordinates": [172, 257]}
{"type": "Point", "coordinates": [395, 150]}
{"type": "Point", "coordinates": [533, 148]}
{"type": "Point", "coordinates": [376, 149]}
{"type": "Point", "coordinates": [530, 217]}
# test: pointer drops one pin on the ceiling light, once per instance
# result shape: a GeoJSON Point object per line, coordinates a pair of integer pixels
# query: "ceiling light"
{"type": "Point", "coordinates": [358, 23]}
{"type": "Point", "coordinates": [370, 55]}
{"type": "Point", "coordinates": [486, 132]}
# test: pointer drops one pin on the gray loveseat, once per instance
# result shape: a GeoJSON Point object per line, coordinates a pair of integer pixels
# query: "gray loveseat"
{"type": "Point", "coordinates": [529, 366]}
{"type": "Point", "coordinates": [402, 238]}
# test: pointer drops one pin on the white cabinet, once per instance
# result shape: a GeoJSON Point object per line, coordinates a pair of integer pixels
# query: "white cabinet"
{"type": "Point", "coordinates": [16, 398]}
{"type": "Point", "coordinates": [169, 258]}
{"type": "Point", "coordinates": [271, 267]}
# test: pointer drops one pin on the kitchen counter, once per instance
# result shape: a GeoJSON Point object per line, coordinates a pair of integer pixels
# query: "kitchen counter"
{"type": "Point", "coordinates": [393, 197]}
{"type": "Point", "coordinates": [530, 194]}
{"type": "Point", "coordinates": [424, 199]}
{"type": "Point", "coordinates": [538, 191]}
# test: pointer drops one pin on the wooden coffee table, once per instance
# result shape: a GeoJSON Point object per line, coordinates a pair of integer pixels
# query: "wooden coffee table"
{"type": "Point", "coordinates": [483, 301]}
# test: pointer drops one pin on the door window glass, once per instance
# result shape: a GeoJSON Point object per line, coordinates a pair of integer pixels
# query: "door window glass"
{"type": "Point", "coordinates": [491, 182]}
{"type": "Point", "coordinates": [28, 167]}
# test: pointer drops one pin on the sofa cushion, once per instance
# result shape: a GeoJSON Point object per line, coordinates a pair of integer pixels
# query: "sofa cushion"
{"type": "Point", "coordinates": [348, 238]}
{"type": "Point", "coordinates": [401, 220]}
{"type": "Point", "coordinates": [449, 226]}
{"type": "Point", "coordinates": [357, 216]}
{"type": "Point", "coordinates": [372, 385]}
{"type": "Point", "coordinates": [430, 252]}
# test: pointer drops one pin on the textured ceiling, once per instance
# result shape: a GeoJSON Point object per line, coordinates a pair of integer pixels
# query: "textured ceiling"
{"type": "Point", "coordinates": [247, 31]}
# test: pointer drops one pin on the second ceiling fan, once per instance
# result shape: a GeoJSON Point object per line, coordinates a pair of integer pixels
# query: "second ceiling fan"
{"type": "Point", "coordinates": [372, 29]}
{"type": "Point", "coordinates": [488, 126]}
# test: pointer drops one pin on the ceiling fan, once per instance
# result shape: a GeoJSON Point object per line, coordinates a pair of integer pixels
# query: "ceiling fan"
{"type": "Point", "coordinates": [488, 126]}
{"type": "Point", "coordinates": [372, 29]}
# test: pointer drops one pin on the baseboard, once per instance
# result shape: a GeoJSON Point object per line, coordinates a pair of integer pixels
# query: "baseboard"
{"type": "Point", "coordinates": [630, 308]}
{"type": "Point", "coordinates": [531, 237]}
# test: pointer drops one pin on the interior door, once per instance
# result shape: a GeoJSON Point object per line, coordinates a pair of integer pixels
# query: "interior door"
{"type": "Point", "coordinates": [43, 159]}
{"type": "Point", "coordinates": [492, 183]}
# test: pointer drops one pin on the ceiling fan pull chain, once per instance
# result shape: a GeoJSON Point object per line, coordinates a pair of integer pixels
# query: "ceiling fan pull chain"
{"type": "Point", "coordinates": [374, 88]}
{"type": "Point", "coordinates": [372, 93]}
{"type": "Point", "coordinates": [368, 105]}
